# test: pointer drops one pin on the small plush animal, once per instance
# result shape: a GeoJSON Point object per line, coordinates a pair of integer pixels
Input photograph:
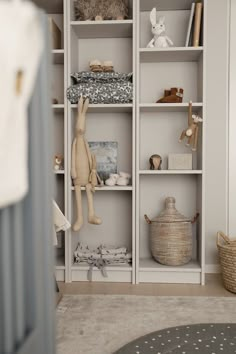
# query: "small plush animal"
{"type": "Point", "coordinates": [58, 162]}
{"type": "Point", "coordinates": [155, 162]}
{"type": "Point", "coordinates": [100, 10]}
{"type": "Point", "coordinates": [191, 133]}
{"type": "Point", "coordinates": [160, 39]}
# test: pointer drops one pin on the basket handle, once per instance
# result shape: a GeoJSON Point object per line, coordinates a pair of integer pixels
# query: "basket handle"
{"type": "Point", "coordinates": [195, 218]}
{"type": "Point", "coordinates": [222, 235]}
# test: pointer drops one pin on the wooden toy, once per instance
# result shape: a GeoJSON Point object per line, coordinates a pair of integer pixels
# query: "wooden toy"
{"type": "Point", "coordinates": [191, 133]}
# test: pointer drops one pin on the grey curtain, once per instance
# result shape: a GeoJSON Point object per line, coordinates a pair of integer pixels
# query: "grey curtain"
{"type": "Point", "coordinates": [26, 253]}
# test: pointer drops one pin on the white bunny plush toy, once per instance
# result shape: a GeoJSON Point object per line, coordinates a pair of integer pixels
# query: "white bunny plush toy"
{"type": "Point", "coordinates": [160, 39]}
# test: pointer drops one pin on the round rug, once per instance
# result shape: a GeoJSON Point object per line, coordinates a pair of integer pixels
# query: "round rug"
{"type": "Point", "coordinates": [192, 339]}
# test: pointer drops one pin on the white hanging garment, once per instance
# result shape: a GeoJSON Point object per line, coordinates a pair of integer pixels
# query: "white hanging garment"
{"type": "Point", "coordinates": [59, 220]}
{"type": "Point", "coordinates": [21, 45]}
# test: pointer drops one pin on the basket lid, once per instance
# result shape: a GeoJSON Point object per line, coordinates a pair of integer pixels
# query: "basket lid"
{"type": "Point", "coordinates": [170, 213]}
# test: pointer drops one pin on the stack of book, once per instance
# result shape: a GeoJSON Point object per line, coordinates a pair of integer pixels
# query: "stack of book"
{"type": "Point", "coordinates": [193, 37]}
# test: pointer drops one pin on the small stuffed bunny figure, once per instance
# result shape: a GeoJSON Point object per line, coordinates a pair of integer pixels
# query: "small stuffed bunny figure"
{"type": "Point", "coordinates": [160, 39]}
{"type": "Point", "coordinates": [83, 168]}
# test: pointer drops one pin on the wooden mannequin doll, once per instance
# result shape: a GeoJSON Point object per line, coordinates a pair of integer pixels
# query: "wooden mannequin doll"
{"type": "Point", "coordinates": [83, 168]}
{"type": "Point", "coordinates": [192, 131]}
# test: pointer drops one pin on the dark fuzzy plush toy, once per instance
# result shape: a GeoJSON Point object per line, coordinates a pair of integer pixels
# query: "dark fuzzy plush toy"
{"type": "Point", "coordinates": [103, 9]}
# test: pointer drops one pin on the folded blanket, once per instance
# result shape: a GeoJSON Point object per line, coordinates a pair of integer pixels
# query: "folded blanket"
{"type": "Point", "coordinates": [105, 255]}
{"type": "Point", "coordinates": [106, 250]}
{"type": "Point", "coordinates": [103, 88]}
{"type": "Point", "coordinates": [98, 93]}
{"type": "Point", "coordinates": [116, 257]}
{"type": "Point", "coordinates": [101, 77]}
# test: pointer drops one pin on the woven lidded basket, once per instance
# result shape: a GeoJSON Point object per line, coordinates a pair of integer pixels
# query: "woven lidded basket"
{"type": "Point", "coordinates": [227, 254]}
{"type": "Point", "coordinates": [171, 236]}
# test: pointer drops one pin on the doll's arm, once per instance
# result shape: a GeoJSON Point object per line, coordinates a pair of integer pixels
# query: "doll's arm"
{"type": "Point", "coordinates": [195, 139]}
{"type": "Point", "coordinates": [89, 155]}
{"type": "Point", "coordinates": [73, 158]}
{"type": "Point", "coordinates": [182, 136]}
{"type": "Point", "coordinates": [169, 41]}
{"type": "Point", "coordinates": [151, 44]}
{"type": "Point", "coordinates": [92, 167]}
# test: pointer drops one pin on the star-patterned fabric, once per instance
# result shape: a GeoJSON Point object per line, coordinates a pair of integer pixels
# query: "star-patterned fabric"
{"type": "Point", "coordinates": [202, 339]}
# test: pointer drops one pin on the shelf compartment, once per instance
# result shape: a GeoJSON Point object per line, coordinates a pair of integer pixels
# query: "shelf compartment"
{"type": "Point", "coordinates": [58, 56]}
{"type": "Point", "coordinates": [172, 54]}
{"type": "Point", "coordinates": [108, 108]}
{"type": "Point", "coordinates": [153, 192]}
{"type": "Point", "coordinates": [103, 29]}
{"type": "Point", "coordinates": [172, 124]}
{"type": "Point", "coordinates": [106, 188]}
{"type": "Point", "coordinates": [168, 107]}
{"type": "Point", "coordinates": [170, 172]}
{"type": "Point", "coordinates": [119, 273]}
{"type": "Point", "coordinates": [60, 262]}
{"type": "Point", "coordinates": [152, 272]}
{"type": "Point", "coordinates": [165, 5]}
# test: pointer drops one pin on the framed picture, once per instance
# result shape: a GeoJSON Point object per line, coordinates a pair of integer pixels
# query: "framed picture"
{"type": "Point", "coordinates": [106, 153]}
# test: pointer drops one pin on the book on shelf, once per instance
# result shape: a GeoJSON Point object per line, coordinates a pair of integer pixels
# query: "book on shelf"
{"type": "Point", "coordinates": [193, 37]}
{"type": "Point", "coordinates": [190, 26]}
{"type": "Point", "coordinates": [197, 24]}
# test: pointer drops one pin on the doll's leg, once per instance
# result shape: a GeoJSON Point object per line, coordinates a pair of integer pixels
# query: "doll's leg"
{"type": "Point", "coordinates": [92, 218]}
{"type": "Point", "coordinates": [194, 148]}
{"type": "Point", "coordinates": [190, 140]}
{"type": "Point", "coordinates": [79, 222]}
{"type": "Point", "coordinates": [182, 136]}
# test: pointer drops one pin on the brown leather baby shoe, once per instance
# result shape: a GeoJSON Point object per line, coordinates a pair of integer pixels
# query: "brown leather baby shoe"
{"type": "Point", "coordinates": [95, 66]}
{"type": "Point", "coordinates": [175, 95]}
{"type": "Point", "coordinates": [108, 66]}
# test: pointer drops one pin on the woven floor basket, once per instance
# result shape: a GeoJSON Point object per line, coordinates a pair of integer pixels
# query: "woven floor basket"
{"type": "Point", "coordinates": [171, 236]}
{"type": "Point", "coordinates": [227, 254]}
{"type": "Point", "coordinates": [171, 243]}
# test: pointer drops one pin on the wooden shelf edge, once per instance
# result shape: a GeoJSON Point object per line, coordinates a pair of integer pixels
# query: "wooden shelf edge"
{"type": "Point", "coordinates": [105, 22]}
{"type": "Point", "coordinates": [106, 189]}
{"type": "Point", "coordinates": [120, 268]}
{"type": "Point", "coordinates": [153, 266]}
{"type": "Point", "coordinates": [170, 172]}
{"type": "Point", "coordinates": [171, 49]}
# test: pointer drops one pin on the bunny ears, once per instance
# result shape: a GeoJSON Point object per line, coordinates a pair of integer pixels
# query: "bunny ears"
{"type": "Point", "coordinates": [153, 18]}
{"type": "Point", "coordinates": [83, 105]}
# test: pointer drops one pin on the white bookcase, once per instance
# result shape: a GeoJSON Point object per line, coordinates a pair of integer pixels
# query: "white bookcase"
{"type": "Point", "coordinates": [158, 129]}
{"type": "Point", "coordinates": [57, 11]}
{"type": "Point", "coordinates": [105, 40]}
{"type": "Point", "coordinates": [141, 129]}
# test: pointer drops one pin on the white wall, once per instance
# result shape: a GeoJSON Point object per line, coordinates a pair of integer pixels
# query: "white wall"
{"type": "Point", "coordinates": [232, 122]}
{"type": "Point", "coordinates": [217, 125]}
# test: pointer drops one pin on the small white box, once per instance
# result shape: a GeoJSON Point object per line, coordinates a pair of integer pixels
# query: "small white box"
{"type": "Point", "coordinates": [180, 162]}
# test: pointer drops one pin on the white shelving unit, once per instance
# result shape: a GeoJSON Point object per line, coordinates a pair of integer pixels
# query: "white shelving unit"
{"type": "Point", "coordinates": [158, 129]}
{"type": "Point", "coordinates": [141, 129]}
{"type": "Point", "coordinates": [104, 40]}
{"type": "Point", "coordinates": [57, 10]}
